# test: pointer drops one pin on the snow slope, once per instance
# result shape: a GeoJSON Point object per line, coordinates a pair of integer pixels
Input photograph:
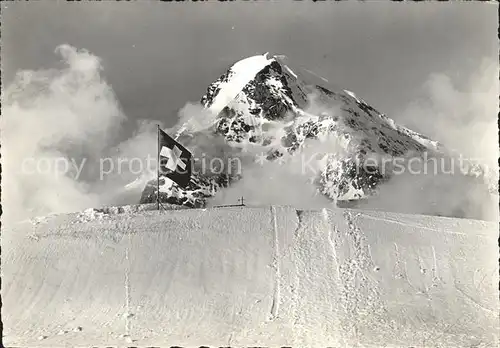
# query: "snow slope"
{"type": "Point", "coordinates": [246, 276]}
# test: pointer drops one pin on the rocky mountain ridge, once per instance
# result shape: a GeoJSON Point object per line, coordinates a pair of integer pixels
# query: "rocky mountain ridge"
{"type": "Point", "coordinates": [262, 103]}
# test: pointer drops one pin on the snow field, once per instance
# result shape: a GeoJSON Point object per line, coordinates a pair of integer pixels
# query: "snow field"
{"type": "Point", "coordinates": [240, 276]}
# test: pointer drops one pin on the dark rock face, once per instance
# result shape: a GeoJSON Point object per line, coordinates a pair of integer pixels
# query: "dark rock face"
{"type": "Point", "coordinates": [214, 89]}
{"type": "Point", "coordinates": [194, 196]}
{"type": "Point", "coordinates": [277, 96]}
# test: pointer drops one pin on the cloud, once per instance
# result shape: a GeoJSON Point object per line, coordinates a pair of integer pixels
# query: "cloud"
{"type": "Point", "coordinates": [464, 120]}
{"type": "Point", "coordinates": [290, 180]}
{"type": "Point", "coordinates": [424, 192]}
{"type": "Point", "coordinates": [56, 122]}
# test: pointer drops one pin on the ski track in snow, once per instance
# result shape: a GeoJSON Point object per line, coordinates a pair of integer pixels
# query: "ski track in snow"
{"type": "Point", "coordinates": [354, 280]}
{"type": "Point", "coordinates": [127, 314]}
{"type": "Point", "coordinates": [276, 266]}
{"type": "Point", "coordinates": [333, 235]}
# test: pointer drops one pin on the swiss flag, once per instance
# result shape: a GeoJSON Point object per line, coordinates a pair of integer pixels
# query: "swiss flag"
{"type": "Point", "coordinates": [175, 160]}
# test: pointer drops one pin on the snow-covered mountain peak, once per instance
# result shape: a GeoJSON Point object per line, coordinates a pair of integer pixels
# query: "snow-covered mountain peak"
{"type": "Point", "coordinates": [261, 102]}
{"type": "Point", "coordinates": [229, 85]}
{"type": "Point", "coordinates": [259, 90]}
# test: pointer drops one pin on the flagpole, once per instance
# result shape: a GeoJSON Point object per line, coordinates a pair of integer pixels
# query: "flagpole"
{"type": "Point", "coordinates": [158, 171]}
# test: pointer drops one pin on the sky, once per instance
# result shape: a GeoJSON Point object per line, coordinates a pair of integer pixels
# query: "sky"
{"type": "Point", "coordinates": [85, 82]}
{"type": "Point", "coordinates": [157, 56]}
